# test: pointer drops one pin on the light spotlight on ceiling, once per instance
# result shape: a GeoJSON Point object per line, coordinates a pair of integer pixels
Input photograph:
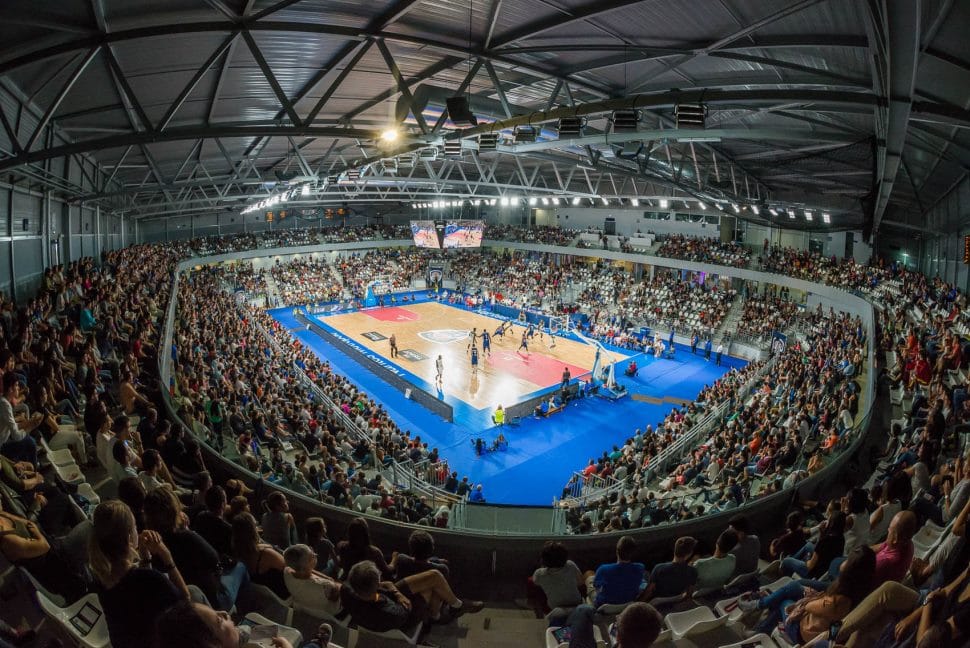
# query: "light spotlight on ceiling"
{"type": "Point", "coordinates": [532, 201]}
{"type": "Point", "coordinates": [791, 214]}
{"type": "Point", "coordinates": [492, 202]}
{"type": "Point", "coordinates": [664, 203]}
{"type": "Point", "coordinates": [737, 210]}
{"type": "Point", "coordinates": [478, 203]}
{"type": "Point", "coordinates": [719, 206]}
{"type": "Point", "coordinates": [504, 201]}
{"type": "Point", "coordinates": [390, 135]}
{"type": "Point", "coordinates": [774, 212]}
{"type": "Point", "coordinates": [701, 205]}
{"type": "Point", "coordinates": [635, 202]}
{"type": "Point", "coordinates": [545, 202]}
{"type": "Point", "coordinates": [756, 210]}
{"type": "Point", "coordinates": [605, 201]}
{"type": "Point", "coordinates": [514, 200]}
{"type": "Point", "coordinates": [305, 190]}
{"type": "Point", "coordinates": [555, 201]}
{"type": "Point", "coordinates": [808, 215]}
{"type": "Point", "coordinates": [826, 218]}
{"type": "Point", "coordinates": [576, 200]}
{"type": "Point", "coordinates": [571, 127]}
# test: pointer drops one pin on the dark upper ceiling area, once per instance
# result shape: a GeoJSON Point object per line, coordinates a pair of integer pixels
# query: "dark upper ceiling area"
{"type": "Point", "coordinates": [859, 107]}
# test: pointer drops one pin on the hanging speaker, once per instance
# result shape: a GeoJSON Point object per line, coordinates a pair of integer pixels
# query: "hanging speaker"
{"type": "Point", "coordinates": [459, 113]}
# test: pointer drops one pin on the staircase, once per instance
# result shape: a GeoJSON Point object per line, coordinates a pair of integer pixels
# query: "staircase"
{"type": "Point", "coordinates": [730, 322]}
{"type": "Point", "coordinates": [273, 296]}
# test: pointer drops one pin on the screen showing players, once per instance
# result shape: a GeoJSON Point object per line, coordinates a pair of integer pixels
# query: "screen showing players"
{"type": "Point", "coordinates": [463, 233]}
{"type": "Point", "coordinates": [424, 234]}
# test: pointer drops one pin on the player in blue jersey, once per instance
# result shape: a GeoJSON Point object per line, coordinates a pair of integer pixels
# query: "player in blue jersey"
{"type": "Point", "coordinates": [486, 342]}
{"type": "Point", "coordinates": [474, 360]}
{"type": "Point", "coordinates": [525, 342]}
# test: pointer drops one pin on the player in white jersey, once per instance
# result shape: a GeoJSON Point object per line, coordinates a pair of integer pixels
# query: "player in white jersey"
{"type": "Point", "coordinates": [439, 366]}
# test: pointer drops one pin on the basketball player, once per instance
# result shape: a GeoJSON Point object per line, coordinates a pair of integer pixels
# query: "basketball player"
{"type": "Point", "coordinates": [500, 331]}
{"type": "Point", "coordinates": [473, 334]}
{"type": "Point", "coordinates": [474, 360]}
{"type": "Point", "coordinates": [486, 343]}
{"type": "Point", "coordinates": [525, 342]}
{"type": "Point", "coordinates": [393, 342]}
{"type": "Point", "coordinates": [439, 366]}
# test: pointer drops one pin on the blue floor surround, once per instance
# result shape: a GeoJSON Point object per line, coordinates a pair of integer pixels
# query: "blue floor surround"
{"type": "Point", "coordinates": [542, 453]}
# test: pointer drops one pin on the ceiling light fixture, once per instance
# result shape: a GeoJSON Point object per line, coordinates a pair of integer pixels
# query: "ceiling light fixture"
{"type": "Point", "coordinates": [664, 203]}
{"type": "Point", "coordinates": [634, 202]}
{"type": "Point", "coordinates": [701, 205]}
{"type": "Point", "coordinates": [390, 135]}
{"type": "Point", "coordinates": [826, 218]}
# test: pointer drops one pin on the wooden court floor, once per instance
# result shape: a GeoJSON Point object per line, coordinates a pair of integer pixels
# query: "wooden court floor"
{"type": "Point", "coordinates": [426, 330]}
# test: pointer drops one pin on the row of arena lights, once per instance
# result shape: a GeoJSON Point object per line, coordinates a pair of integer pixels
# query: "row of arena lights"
{"type": "Point", "coordinates": [515, 201]}
{"type": "Point", "coordinates": [278, 198]}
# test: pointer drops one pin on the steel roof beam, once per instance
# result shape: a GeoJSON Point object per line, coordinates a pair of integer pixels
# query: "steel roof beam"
{"type": "Point", "coordinates": [544, 24]}
{"type": "Point", "coordinates": [15, 58]}
{"type": "Point", "coordinates": [176, 134]}
{"type": "Point", "coordinates": [194, 81]}
{"type": "Point", "coordinates": [65, 89]}
{"type": "Point", "coordinates": [896, 23]}
{"type": "Point", "coordinates": [270, 77]}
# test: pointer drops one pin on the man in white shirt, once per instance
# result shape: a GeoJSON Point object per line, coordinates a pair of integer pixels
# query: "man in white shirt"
{"type": "Point", "coordinates": [717, 570]}
{"type": "Point", "coordinates": [15, 441]}
{"type": "Point", "coordinates": [311, 590]}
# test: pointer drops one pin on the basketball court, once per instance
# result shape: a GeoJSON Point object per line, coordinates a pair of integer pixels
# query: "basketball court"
{"type": "Point", "coordinates": [424, 331]}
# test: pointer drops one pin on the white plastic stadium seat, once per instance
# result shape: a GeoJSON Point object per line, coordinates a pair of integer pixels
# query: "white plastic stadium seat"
{"type": "Point", "coordinates": [697, 621]}
{"type": "Point", "coordinates": [759, 640]}
{"type": "Point", "coordinates": [83, 621]}
{"type": "Point", "coordinates": [294, 636]}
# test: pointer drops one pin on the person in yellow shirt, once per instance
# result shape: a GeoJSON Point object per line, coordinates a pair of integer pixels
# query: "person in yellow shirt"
{"type": "Point", "coordinates": [499, 416]}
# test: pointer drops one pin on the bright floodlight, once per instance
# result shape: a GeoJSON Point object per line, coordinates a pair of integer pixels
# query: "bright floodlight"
{"type": "Point", "coordinates": [755, 209]}
{"type": "Point", "coordinates": [555, 201]}
{"type": "Point", "coordinates": [505, 201]}
{"type": "Point", "coordinates": [533, 200]}
{"type": "Point", "coordinates": [664, 203]}
{"type": "Point", "coordinates": [701, 205]}
{"type": "Point", "coordinates": [576, 200]}
{"type": "Point", "coordinates": [605, 201]}
{"type": "Point", "coordinates": [545, 202]}
{"type": "Point", "coordinates": [305, 190]}
{"type": "Point", "coordinates": [389, 135]}
{"type": "Point", "coordinates": [826, 218]}
{"type": "Point", "coordinates": [634, 202]}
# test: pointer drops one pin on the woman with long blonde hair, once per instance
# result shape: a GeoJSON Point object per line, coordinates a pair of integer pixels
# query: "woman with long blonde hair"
{"type": "Point", "coordinates": [133, 592]}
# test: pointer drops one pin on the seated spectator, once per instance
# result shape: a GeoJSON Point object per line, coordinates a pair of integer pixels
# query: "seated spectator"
{"type": "Point", "coordinates": [558, 579]}
{"type": "Point", "coordinates": [197, 561]}
{"type": "Point", "coordinates": [195, 625]}
{"type": "Point", "coordinates": [894, 556]}
{"type": "Point", "coordinates": [278, 525]}
{"type": "Point", "coordinates": [748, 549]}
{"type": "Point", "coordinates": [791, 540]}
{"type": "Point", "coordinates": [15, 440]}
{"type": "Point", "coordinates": [358, 547]}
{"type": "Point", "coordinates": [309, 587]}
{"type": "Point", "coordinates": [857, 523]}
{"type": "Point", "coordinates": [421, 558]}
{"type": "Point", "coordinates": [814, 611]}
{"type": "Point", "coordinates": [211, 523]}
{"type": "Point", "coordinates": [315, 531]}
{"type": "Point", "coordinates": [715, 571]}
{"type": "Point", "coordinates": [618, 582]}
{"type": "Point", "coordinates": [381, 605]}
{"type": "Point", "coordinates": [637, 626]}
{"type": "Point", "coordinates": [813, 560]}
{"type": "Point", "coordinates": [133, 594]}
{"type": "Point", "coordinates": [264, 564]}
{"type": "Point", "coordinates": [674, 578]}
